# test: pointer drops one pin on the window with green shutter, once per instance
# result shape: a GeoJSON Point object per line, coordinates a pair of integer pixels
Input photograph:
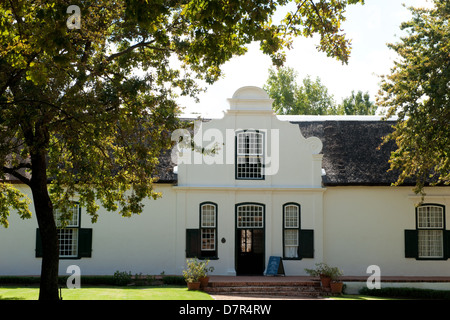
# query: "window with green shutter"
{"type": "Point", "coordinates": [297, 243]}
{"type": "Point", "coordinates": [74, 242]}
{"type": "Point", "coordinates": [430, 240]}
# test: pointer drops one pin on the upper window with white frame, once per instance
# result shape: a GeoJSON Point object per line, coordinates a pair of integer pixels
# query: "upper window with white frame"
{"type": "Point", "coordinates": [250, 155]}
{"type": "Point", "coordinates": [430, 227]}
{"type": "Point", "coordinates": [250, 216]}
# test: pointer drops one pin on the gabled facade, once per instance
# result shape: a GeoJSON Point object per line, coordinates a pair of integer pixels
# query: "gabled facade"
{"type": "Point", "coordinates": [307, 189]}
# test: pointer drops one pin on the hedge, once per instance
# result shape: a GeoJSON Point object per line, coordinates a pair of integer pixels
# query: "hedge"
{"type": "Point", "coordinates": [410, 293]}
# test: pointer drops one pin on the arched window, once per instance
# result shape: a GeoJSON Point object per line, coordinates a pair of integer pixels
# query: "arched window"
{"type": "Point", "coordinates": [208, 229]}
{"type": "Point", "coordinates": [430, 228]}
{"type": "Point", "coordinates": [291, 230]}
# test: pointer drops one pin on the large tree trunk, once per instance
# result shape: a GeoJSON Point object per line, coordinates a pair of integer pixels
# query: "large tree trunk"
{"type": "Point", "coordinates": [46, 222]}
{"type": "Point", "coordinates": [49, 237]}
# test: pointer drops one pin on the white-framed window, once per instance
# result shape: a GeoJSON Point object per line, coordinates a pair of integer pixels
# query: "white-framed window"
{"type": "Point", "coordinates": [430, 231]}
{"type": "Point", "coordinates": [249, 155]}
{"type": "Point", "coordinates": [291, 230]}
{"type": "Point", "coordinates": [250, 216]}
{"type": "Point", "coordinates": [208, 229]}
{"type": "Point", "coordinates": [68, 231]}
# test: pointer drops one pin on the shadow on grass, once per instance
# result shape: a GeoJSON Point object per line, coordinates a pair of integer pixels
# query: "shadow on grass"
{"type": "Point", "coordinates": [11, 298]}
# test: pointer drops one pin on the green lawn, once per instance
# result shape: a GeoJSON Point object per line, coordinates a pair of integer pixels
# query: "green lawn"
{"type": "Point", "coordinates": [108, 293]}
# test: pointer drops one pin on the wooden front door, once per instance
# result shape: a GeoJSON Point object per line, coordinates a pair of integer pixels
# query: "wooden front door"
{"type": "Point", "coordinates": [250, 251]}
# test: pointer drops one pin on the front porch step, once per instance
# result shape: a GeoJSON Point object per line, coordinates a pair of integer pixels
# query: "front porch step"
{"type": "Point", "coordinates": [275, 289]}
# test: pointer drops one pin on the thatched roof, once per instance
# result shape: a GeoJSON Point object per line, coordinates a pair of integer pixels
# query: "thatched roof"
{"type": "Point", "coordinates": [350, 150]}
{"type": "Point", "coordinates": [351, 153]}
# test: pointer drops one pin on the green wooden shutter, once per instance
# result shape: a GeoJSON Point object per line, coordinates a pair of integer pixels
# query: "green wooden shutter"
{"type": "Point", "coordinates": [411, 244]}
{"type": "Point", "coordinates": [85, 243]}
{"type": "Point", "coordinates": [38, 244]}
{"type": "Point", "coordinates": [192, 243]}
{"type": "Point", "coordinates": [306, 245]}
{"type": "Point", "coordinates": [446, 244]}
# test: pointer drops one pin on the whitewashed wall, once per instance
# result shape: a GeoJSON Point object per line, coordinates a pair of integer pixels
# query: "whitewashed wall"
{"type": "Point", "coordinates": [365, 226]}
{"type": "Point", "coordinates": [142, 243]}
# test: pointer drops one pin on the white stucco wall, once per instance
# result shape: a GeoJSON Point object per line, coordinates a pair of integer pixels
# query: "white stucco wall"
{"type": "Point", "coordinates": [365, 226]}
{"type": "Point", "coordinates": [142, 243]}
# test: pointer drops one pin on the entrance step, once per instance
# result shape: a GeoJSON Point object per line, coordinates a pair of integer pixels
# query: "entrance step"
{"type": "Point", "coordinates": [266, 288]}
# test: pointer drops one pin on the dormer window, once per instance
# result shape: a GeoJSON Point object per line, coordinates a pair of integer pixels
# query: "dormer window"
{"type": "Point", "coordinates": [249, 155]}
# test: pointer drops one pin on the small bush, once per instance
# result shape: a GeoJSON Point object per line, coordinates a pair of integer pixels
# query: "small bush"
{"type": "Point", "coordinates": [411, 293]}
{"type": "Point", "coordinates": [122, 278]}
{"type": "Point", "coordinates": [174, 280]}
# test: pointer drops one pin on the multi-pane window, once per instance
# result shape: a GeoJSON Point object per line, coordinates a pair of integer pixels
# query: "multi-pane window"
{"type": "Point", "coordinates": [68, 228]}
{"type": "Point", "coordinates": [430, 225]}
{"type": "Point", "coordinates": [250, 216]}
{"type": "Point", "coordinates": [249, 155]}
{"type": "Point", "coordinates": [291, 230]}
{"type": "Point", "coordinates": [208, 229]}
{"type": "Point", "coordinates": [74, 242]}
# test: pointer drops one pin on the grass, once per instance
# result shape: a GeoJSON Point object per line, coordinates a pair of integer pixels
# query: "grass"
{"type": "Point", "coordinates": [108, 293]}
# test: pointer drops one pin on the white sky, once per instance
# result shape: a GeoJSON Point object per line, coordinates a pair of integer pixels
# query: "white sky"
{"type": "Point", "coordinates": [370, 26]}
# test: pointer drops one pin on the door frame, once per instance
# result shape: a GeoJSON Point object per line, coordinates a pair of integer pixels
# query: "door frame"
{"type": "Point", "coordinates": [237, 234]}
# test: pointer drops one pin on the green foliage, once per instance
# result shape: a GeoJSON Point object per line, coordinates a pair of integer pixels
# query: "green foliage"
{"type": "Point", "coordinates": [174, 280]}
{"type": "Point", "coordinates": [412, 293]}
{"type": "Point", "coordinates": [357, 104]}
{"type": "Point", "coordinates": [322, 269]}
{"type": "Point", "coordinates": [75, 98]}
{"type": "Point", "coordinates": [10, 197]}
{"type": "Point", "coordinates": [417, 91]}
{"type": "Point", "coordinates": [311, 97]}
{"type": "Point", "coordinates": [122, 278]}
{"type": "Point", "coordinates": [196, 269]}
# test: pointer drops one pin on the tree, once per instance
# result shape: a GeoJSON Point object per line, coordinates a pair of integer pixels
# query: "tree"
{"type": "Point", "coordinates": [281, 86]}
{"type": "Point", "coordinates": [418, 91]}
{"type": "Point", "coordinates": [357, 104]}
{"type": "Point", "coordinates": [88, 95]}
{"type": "Point", "coordinates": [311, 97]}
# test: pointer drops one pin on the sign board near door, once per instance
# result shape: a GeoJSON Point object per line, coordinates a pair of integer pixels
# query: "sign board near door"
{"type": "Point", "coordinates": [275, 266]}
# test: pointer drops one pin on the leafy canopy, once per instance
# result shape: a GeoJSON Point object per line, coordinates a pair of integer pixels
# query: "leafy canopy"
{"type": "Point", "coordinates": [311, 97]}
{"type": "Point", "coordinates": [98, 103]}
{"type": "Point", "coordinates": [418, 92]}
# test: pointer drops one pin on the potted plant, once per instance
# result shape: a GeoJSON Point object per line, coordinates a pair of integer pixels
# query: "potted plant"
{"type": "Point", "coordinates": [204, 277]}
{"type": "Point", "coordinates": [325, 273]}
{"type": "Point", "coordinates": [192, 274]}
{"type": "Point", "coordinates": [336, 284]}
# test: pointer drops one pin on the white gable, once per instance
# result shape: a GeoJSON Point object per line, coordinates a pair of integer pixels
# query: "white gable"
{"type": "Point", "coordinates": [289, 159]}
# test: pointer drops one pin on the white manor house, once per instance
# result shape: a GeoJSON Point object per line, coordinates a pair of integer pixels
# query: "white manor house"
{"type": "Point", "coordinates": [308, 189]}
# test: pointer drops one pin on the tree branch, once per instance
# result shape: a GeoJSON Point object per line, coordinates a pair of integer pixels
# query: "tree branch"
{"type": "Point", "coordinates": [14, 173]}
{"type": "Point", "coordinates": [129, 49]}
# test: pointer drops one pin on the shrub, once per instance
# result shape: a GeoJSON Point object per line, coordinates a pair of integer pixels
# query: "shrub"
{"type": "Point", "coordinates": [122, 278]}
{"type": "Point", "coordinates": [412, 293]}
{"type": "Point", "coordinates": [174, 280]}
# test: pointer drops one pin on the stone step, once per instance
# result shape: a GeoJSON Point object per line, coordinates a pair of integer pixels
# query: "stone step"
{"type": "Point", "coordinates": [264, 291]}
{"type": "Point", "coordinates": [313, 284]}
{"type": "Point", "coordinates": [265, 288]}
